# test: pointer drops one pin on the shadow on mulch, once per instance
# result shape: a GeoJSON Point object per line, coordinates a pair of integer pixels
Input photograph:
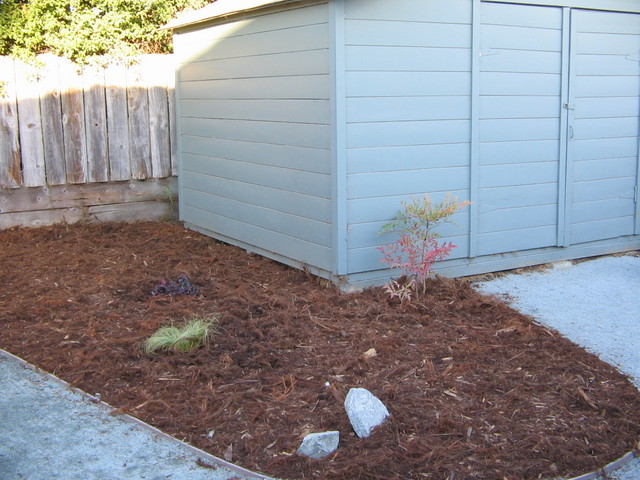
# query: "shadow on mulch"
{"type": "Point", "coordinates": [475, 389]}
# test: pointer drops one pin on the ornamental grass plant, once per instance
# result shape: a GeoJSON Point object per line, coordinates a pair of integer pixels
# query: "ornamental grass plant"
{"type": "Point", "coordinates": [186, 338]}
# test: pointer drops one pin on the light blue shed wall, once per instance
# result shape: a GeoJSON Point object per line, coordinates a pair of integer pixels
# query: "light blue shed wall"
{"type": "Point", "coordinates": [408, 114]}
{"type": "Point", "coordinates": [255, 136]}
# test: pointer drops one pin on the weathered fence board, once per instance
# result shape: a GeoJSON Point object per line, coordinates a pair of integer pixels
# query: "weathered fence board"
{"type": "Point", "coordinates": [51, 111]}
{"type": "Point", "coordinates": [10, 172]}
{"type": "Point", "coordinates": [75, 146]}
{"type": "Point", "coordinates": [117, 122]}
{"type": "Point", "coordinates": [96, 125]}
{"type": "Point", "coordinates": [30, 126]}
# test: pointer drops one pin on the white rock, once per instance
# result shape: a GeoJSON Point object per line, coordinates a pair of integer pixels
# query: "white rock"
{"type": "Point", "coordinates": [319, 445]}
{"type": "Point", "coordinates": [365, 411]}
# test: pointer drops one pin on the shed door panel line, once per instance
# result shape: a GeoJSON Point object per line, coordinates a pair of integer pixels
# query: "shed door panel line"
{"type": "Point", "coordinates": [558, 123]}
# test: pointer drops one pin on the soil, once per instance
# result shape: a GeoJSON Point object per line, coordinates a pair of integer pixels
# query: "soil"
{"type": "Point", "coordinates": [475, 389]}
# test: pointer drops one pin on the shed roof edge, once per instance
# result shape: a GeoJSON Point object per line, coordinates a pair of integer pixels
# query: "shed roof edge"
{"type": "Point", "coordinates": [221, 9]}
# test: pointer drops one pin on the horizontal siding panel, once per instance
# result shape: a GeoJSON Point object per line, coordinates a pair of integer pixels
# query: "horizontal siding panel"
{"type": "Point", "coordinates": [521, 15]}
{"type": "Point", "coordinates": [278, 243]}
{"type": "Point", "coordinates": [293, 39]}
{"type": "Point", "coordinates": [520, 61]}
{"type": "Point", "coordinates": [603, 189]}
{"type": "Point", "coordinates": [293, 203]}
{"type": "Point", "coordinates": [407, 182]}
{"type": "Point", "coordinates": [590, 170]}
{"type": "Point", "coordinates": [451, 11]}
{"type": "Point", "coordinates": [279, 133]}
{"type": "Point", "coordinates": [403, 84]}
{"type": "Point", "coordinates": [500, 153]}
{"type": "Point", "coordinates": [269, 176]}
{"type": "Point", "coordinates": [407, 59]}
{"type": "Point", "coordinates": [604, 44]}
{"type": "Point", "coordinates": [296, 111]}
{"type": "Point", "coordinates": [609, 128]}
{"type": "Point", "coordinates": [602, 210]}
{"type": "Point", "coordinates": [368, 258]}
{"type": "Point", "coordinates": [285, 156]}
{"type": "Point", "coordinates": [517, 218]}
{"type": "Point", "coordinates": [520, 84]}
{"type": "Point", "coordinates": [609, 228]}
{"type": "Point", "coordinates": [606, 107]}
{"type": "Point", "coordinates": [407, 157]}
{"type": "Point", "coordinates": [366, 210]}
{"type": "Point", "coordinates": [606, 22]}
{"type": "Point", "coordinates": [509, 130]}
{"type": "Point", "coordinates": [518, 196]}
{"type": "Point", "coordinates": [312, 62]}
{"type": "Point", "coordinates": [602, 86]}
{"type": "Point", "coordinates": [398, 109]}
{"type": "Point", "coordinates": [368, 234]}
{"type": "Point", "coordinates": [521, 38]}
{"type": "Point", "coordinates": [497, 107]}
{"type": "Point", "coordinates": [517, 174]}
{"type": "Point", "coordinates": [290, 225]}
{"type": "Point", "coordinates": [515, 240]}
{"type": "Point", "coordinates": [609, 148]}
{"type": "Point", "coordinates": [310, 15]}
{"type": "Point", "coordinates": [295, 87]}
{"type": "Point", "coordinates": [407, 133]}
{"type": "Point", "coordinates": [611, 64]}
{"type": "Point", "coordinates": [417, 34]}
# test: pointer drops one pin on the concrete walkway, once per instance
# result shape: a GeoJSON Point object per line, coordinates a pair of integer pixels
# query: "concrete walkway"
{"type": "Point", "coordinates": [51, 432]}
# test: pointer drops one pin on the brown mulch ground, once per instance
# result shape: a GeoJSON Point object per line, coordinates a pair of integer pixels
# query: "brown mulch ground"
{"type": "Point", "coordinates": [475, 389]}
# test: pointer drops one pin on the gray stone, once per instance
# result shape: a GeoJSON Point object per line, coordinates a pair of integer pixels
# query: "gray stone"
{"type": "Point", "coordinates": [319, 445]}
{"type": "Point", "coordinates": [365, 411]}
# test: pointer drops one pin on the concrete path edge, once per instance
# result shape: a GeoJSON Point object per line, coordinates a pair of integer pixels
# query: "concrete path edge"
{"type": "Point", "coordinates": [206, 457]}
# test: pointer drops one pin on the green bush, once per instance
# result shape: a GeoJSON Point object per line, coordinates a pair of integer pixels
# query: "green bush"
{"type": "Point", "coordinates": [81, 29]}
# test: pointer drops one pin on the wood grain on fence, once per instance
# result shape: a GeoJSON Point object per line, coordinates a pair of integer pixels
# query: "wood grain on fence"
{"type": "Point", "coordinates": [61, 126]}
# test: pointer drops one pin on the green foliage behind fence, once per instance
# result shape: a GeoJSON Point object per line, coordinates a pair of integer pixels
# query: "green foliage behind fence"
{"type": "Point", "coordinates": [82, 29]}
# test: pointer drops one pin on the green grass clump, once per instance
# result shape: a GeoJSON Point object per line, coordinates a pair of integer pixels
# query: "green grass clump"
{"type": "Point", "coordinates": [180, 339]}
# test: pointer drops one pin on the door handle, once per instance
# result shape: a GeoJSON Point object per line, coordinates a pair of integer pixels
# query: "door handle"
{"type": "Point", "coordinates": [570, 132]}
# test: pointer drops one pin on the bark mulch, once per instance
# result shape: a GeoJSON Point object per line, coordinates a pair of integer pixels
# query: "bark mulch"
{"type": "Point", "coordinates": [475, 389]}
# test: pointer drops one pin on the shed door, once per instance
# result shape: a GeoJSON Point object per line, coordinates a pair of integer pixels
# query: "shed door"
{"type": "Point", "coordinates": [558, 142]}
{"type": "Point", "coordinates": [603, 124]}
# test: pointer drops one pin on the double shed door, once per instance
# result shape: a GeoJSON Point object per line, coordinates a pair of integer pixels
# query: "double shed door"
{"type": "Point", "coordinates": [559, 122]}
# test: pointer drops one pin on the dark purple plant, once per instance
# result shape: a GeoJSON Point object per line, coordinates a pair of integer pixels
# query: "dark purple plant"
{"type": "Point", "coordinates": [171, 288]}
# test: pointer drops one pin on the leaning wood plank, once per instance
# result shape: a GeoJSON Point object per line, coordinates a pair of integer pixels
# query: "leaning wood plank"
{"type": "Point", "coordinates": [41, 218]}
{"type": "Point", "coordinates": [138, 104]}
{"type": "Point", "coordinates": [51, 111]}
{"type": "Point", "coordinates": [10, 172]}
{"type": "Point", "coordinates": [95, 111]}
{"type": "Point", "coordinates": [30, 122]}
{"type": "Point", "coordinates": [155, 68]}
{"type": "Point", "coordinates": [130, 212]}
{"type": "Point", "coordinates": [89, 194]}
{"type": "Point", "coordinates": [117, 122]}
{"type": "Point", "coordinates": [75, 147]}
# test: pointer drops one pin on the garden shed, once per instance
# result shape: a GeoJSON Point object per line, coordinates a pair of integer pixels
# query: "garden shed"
{"type": "Point", "coordinates": [304, 124]}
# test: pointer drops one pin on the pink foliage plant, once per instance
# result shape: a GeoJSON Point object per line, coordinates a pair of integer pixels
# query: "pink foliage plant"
{"type": "Point", "coordinates": [417, 246]}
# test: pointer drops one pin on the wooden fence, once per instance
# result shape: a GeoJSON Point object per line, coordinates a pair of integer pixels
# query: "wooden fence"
{"type": "Point", "coordinates": [63, 130]}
